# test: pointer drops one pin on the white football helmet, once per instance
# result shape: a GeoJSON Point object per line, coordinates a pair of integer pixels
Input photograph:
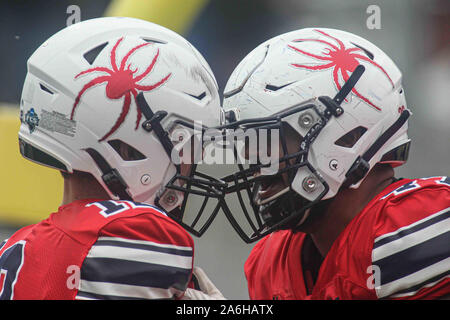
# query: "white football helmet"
{"type": "Point", "coordinates": [341, 94]}
{"type": "Point", "coordinates": [102, 86]}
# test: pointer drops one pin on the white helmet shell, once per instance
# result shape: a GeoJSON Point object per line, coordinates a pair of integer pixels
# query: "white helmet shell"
{"type": "Point", "coordinates": [80, 94]}
{"type": "Point", "coordinates": [300, 66]}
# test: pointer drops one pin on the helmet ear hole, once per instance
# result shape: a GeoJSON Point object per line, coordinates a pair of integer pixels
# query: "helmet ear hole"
{"type": "Point", "coordinates": [349, 139]}
{"type": "Point", "coordinates": [125, 151]}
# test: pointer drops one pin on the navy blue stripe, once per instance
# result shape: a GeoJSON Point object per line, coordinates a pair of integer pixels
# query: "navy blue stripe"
{"type": "Point", "coordinates": [402, 233]}
{"type": "Point", "coordinates": [413, 259]}
{"type": "Point", "coordinates": [423, 284]}
{"type": "Point", "coordinates": [3, 243]}
{"type": "Point", "coordinates": [149, 247]}
{"type": "Point", "coordinates": [134, 273]}
{"type": "Point", "coordinates": [111, 297]}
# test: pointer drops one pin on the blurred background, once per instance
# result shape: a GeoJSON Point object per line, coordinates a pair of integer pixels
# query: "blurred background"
{"type": "Point", "coordinates": [414, 33]}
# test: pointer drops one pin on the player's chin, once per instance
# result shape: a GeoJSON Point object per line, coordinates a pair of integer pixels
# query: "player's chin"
{"type": "Point", "coordinates": [313, 217]}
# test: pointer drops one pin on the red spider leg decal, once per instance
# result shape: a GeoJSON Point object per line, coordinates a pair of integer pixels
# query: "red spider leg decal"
{"type": "Point", "coordinates": [149, 68]}
{"type": "Point", "coordinates": [125, 59]}
{"type": "Point", "coordinates": [341, 44]}
{"type": "Point", "coordinates": [92, 83]}
{"type": "Point", "coordinates": [139, 112]}
{"type": "Point", "coordinates": [342, 61]}
{"type": "Point", "coordinates": [101, 69]}
{"type": "Point", "coordinates": [146, 88]}
{"type": "Point", "coordinates": [345, 76]}
{"type": "Point", "coordinates": [121, 82]}
{"type": "Point", "coordinates": [309, 54]}
{"type": "Point", "coordinates": [123, 114]}
{"type": "Point", "coordinates": [375, 64]}
{"type": "Point", "coordinates": [113, 55]}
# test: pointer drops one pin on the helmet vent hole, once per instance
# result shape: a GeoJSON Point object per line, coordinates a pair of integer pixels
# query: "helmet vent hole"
{"type": "Point", "coordinates": [92, 54]}
{"type": "Point", "coordinates": [125, 151]}
{"type": "Point", "coordinates": [154, 41]}
{"type": "Point", "coordinates": [367, 52]}
{"type": "Point", "coordinates": [199, 97]}
{"type": "Point", "coordinates": [271, 87]}
{"type": "Point", "coordinates": [349, 139]}
{"type": "Point", "coordinates": [44, 88]}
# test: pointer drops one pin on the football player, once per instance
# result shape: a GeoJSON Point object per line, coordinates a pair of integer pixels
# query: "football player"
{"type": "Point", "coordinates": [109, 102]}
{"type": "Point", "coordinates": [333, 222]}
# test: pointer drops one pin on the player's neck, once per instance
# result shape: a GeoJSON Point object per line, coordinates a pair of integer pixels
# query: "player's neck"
{"type": "Point", "coordinates": [346, 205]}
{"type": "Point", "coordinates": [82, 187]}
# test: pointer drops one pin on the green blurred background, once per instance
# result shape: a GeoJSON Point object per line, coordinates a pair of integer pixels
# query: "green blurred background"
{"type": "Point", "coordinates": [414, 33]}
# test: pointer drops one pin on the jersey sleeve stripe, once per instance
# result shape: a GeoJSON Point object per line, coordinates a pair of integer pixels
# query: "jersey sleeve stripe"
{"type": "Point", "coordinates": [3, 243]}
{"type": "Point", "coordinates": [410, 239]}
{"type": "Point", "coordinates": [143, 245]}
{"type": "Point", "coordinates": [414, 258]}
{"type": "Point", "coordinates": [424, 223]}
{"type": "Point", "coordinates": [162, 245]}
{"type": "Point", "coordinates": [145, 255]}
{"type": "Point", "coordinates": [412, 280]}
{"type": "Point", "coordinates": [114, 291]}
{"type": "Point", "coordinates": [428, 283]}
{"type": "Point", "coordinates": [134, 273]}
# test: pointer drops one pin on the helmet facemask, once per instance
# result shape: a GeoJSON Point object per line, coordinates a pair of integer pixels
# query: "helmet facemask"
{"type": "Point", "coordinates": [191, 197]}
{"type": "Point", "coordinates": [296, 185]}
{"type": "Point", "coordinates": [264, 190]}
{"type": "Point", "coordinates": [292, 78]}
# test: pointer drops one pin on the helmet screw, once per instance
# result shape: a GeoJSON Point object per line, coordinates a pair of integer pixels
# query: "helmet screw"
{"type": "Point", "coordinates": [305, 120]}
{"type": "Point", "coordinates": [171, 198]}
{"type": "Point", "coordinates": [333, 164]}
{"type": "Point", "coordinates": [310, 184]}
{"type": "Point", "coordinates": [145, 179]}
{"type": "Point", "coordinates": [148, 126]}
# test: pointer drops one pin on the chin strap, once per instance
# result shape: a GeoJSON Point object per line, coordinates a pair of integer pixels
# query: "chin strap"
{"type": "Point", "coordinates": [153, 123]}
{"type": "Point", "coordinates": [334, 105]}
{"type": "Point", "coordinates": [111, 177]}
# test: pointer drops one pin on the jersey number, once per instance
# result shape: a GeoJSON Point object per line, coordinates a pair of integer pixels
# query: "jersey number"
{"type": "Point", "coordinates": [109, 208]}
{"type": "Point", "coordinates": [11, 261]}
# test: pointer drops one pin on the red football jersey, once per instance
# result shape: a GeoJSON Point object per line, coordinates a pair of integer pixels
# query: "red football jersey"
{"type": "Point", "coordinates": [98, 249]}
{"type": "Point", "coordinates": [397, 247]}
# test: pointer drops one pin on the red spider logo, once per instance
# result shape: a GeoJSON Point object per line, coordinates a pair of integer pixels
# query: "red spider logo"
{"type": "Point", "coordinates": [121, 82]}
{"type": "Point", "coordinates": [344, 61]}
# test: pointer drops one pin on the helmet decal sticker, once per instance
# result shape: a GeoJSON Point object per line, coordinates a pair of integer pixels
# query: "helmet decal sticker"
{"type": "Point", "coordinates": [121, 82]}
{"type": "Point", "coordinates": [31, 119]}
{"type": "Point", "coordinates": [57, 122]}
{"type": "Point", "coordinates": [342, 60]}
